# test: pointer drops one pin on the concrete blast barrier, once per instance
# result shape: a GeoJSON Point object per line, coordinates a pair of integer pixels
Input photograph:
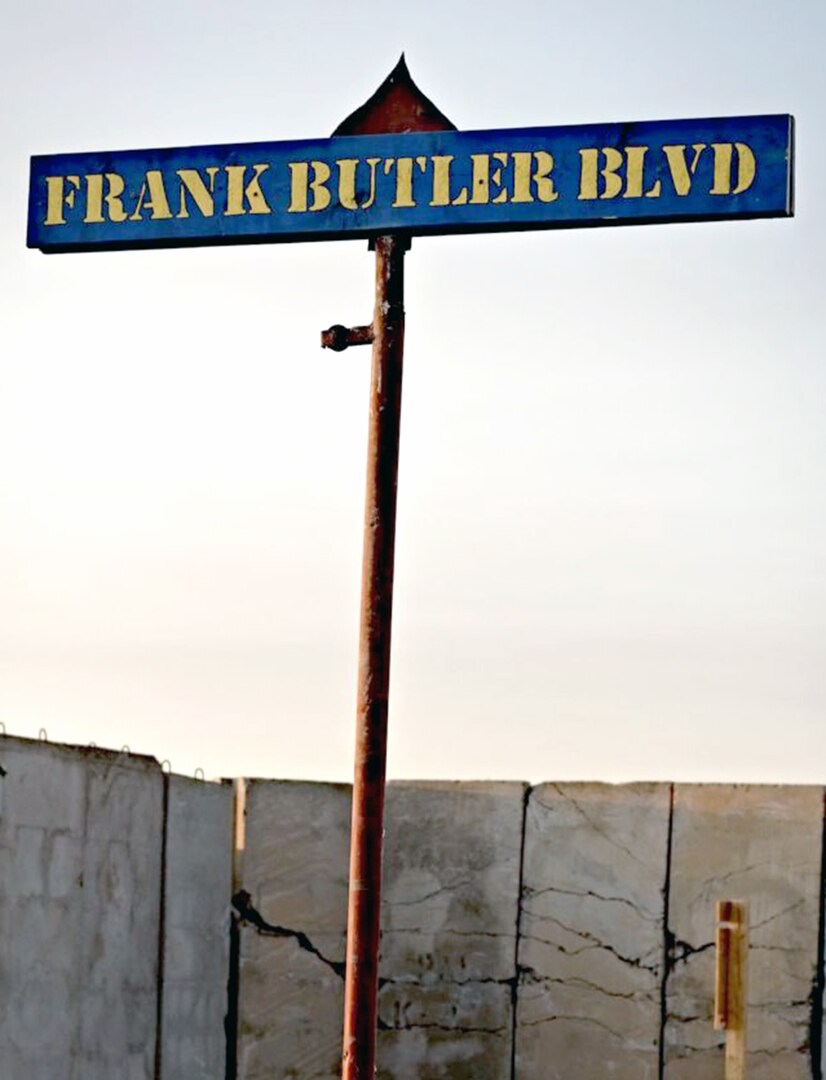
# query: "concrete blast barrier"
{"type": "Point", "coordinates": [80, 844]}
{"type": "Point", "coordinates": [296, 844]}
{"type": "Point", "coordinates": [760, 844]}
{"type": "Point", "coordinates": [560, 932]}
{"type": "Point", "coordinates": [592, 933]}
{"type": "Point", "coordinates": [449, 930]}
{"type": "Point", "coordinates": [195, 968]}
{"type": "Point", "coordinates": [449, 925]}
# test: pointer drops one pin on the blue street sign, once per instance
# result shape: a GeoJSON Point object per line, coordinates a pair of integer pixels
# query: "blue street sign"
{"type": "Point", "coordinates": [416, 184]}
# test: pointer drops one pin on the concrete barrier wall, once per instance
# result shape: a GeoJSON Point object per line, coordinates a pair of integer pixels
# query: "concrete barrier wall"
{"type": "Point", "coordinates": [763, 845]}
{"type": "Point", "coordinates": [115, 890]}
{"type": "Point", "coordinates": [559, 931]}
{"type": "Point", "coordinates": [197, 900]}
{"type": "Point", "coordinates": [592, 941]}
{"type": "Point", "coordinates": [294, 898]}
{"type": "Point", "coordinates": [80, 849]}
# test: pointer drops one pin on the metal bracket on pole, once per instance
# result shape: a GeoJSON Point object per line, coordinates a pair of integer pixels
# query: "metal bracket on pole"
{"type": "Point", "coordinates": [338, 337]}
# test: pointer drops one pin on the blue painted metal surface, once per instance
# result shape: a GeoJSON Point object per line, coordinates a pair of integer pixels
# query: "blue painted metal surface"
{"type": "Point", "coordinates": [415, 184]}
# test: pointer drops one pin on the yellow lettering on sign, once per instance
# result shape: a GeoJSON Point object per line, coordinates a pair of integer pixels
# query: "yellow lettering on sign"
{"type": "Point", "coordinates": [532, 173]}
{"type": "Point", "coordinates": [461, 196]}
{"type": "Point", "coordinates": [404, 179]}
{"type": "Point", "coordinates": [610, 172]}
{"type": "Point", "coordinates": [496, 176]}
{"type": "Point", "coordinates": [723, 153]}
{"type": "Point", "coordinates": [372, 164]}
{"type": "Point", "coordinates": [609, 162]}
{"type": "Point", "coordinates": [635, 175]}
{"type": "Point", "coordinates": [541, 176]}
{"type": "Point", "coordinates": [482, 176]}
{"type": "Point", "coordinates": [521, 177]}
{"type": "Point", "coordinates": [723, 159]}
{"type": "Point", "coordinates": [442, 183]}
{"type": "Point", "coordinates": [588, 172]}
{"type": "Point", "coordinates": [302, 185]}
{"type": "Point", "coordinates": [239, 192]}
{"type": "Point", "coordinates": [441, 179]}
{"type": "Point", "coordinates": [192, 184]}
{"type": "Point", "coordinates": [681, 171]}
{"type": "Point", "coordinates": [480, 179]}
{"type": "Point", "coordinates": [57, 197]}
{"type": "Point", "coordinates": [152, 196]}
{"type": "Point", "coordinates": [746, 167]}
{"type": "Point", "coordinates": [96, 197]}
{"type": "Point", "coordinates": [347, 182]}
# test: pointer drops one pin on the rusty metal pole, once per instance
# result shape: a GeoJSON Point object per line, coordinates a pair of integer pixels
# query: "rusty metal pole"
{"type": "Point", "coordinates": [364, 905]}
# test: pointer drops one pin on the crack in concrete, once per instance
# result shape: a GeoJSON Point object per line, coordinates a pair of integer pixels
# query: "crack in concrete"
{"type": "Point", "coordinates": [597, 828]}
{"type": "Point", "coordinates": [575, 1020]}
{"type": "Point", "coordinates": [520, 896]}
{"type": "Point", "coordinates": [681, 951]}
{"type": "Point", "coordinates": [668, 937]}
{"type": "Point", "coordinates": [453, 1029]}
{"type": "Point", "coordinates": [416, 980]}
{"type": "Point", "coordinates": [430, 895]}
{"type": "Point", "coordinates": [588, 893]}
{"type": "Point", "coordinates": [242, 902]}
{"type": "Point", "coordinates": [447, 930]}
{"type": "Point", "coordinates": [790, 949]}
{"type": "Point", "coordinates": [758, 1005]}
{"type": "Point", "coordinates": [766, 1052]}
{"type": "Point", "coordinates": [592, 942]}
{"type": "Point", "coordinates": [778, 915]}
{"type": "Point", "coordinates": [578, 980]}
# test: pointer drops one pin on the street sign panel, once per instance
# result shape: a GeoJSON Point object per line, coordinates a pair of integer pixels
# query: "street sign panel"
{"type": "Point", "coordinates": [416, 183]}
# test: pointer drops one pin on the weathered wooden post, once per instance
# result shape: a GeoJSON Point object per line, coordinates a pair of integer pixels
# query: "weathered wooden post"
{"type": "Point", "coordinates": [730, 999]}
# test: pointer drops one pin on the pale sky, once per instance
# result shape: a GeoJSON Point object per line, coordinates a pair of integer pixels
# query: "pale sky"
{"type": "Point", "coordinates": [611, 547]}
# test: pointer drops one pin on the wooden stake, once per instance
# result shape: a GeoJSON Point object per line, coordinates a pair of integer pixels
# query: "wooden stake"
{"type": "Point", "coordinates": [730, 1004]}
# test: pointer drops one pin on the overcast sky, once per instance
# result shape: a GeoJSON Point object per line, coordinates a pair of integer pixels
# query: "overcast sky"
{"type": "Point", "coordinates": [611, 548]}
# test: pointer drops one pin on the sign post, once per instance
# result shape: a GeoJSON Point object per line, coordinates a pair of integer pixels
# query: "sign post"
{"type": "Point", "coordinates": [394, 169]}
{"type": "Point", "coordinates": [367, 821]}
{"type": "Point", "coordinates": [398, 106]}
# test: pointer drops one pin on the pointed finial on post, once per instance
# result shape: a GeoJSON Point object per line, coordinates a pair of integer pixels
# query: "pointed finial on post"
{"type": "Point", "coordinates": [397, 107]}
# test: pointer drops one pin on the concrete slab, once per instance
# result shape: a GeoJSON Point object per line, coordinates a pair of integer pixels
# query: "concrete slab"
{"type": "Point", "coordinates": [197, 892]}
{"type": "Point", "coordinates": [80, 860]}
{"type": "Point", "coordinates": [592, 939]}
{"type": "Point", "coordinates": [761, 844]}
{"type": "Point", "coordinates": [295, 862]}
{"type": "Point", "coordinates": [451, 899]}
{"type": "Point", "coordinates": [449, 918]}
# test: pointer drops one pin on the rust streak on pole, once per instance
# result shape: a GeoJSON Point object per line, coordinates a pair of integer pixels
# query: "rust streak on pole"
{"type": "Point", "coordinates": [364, 904]}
